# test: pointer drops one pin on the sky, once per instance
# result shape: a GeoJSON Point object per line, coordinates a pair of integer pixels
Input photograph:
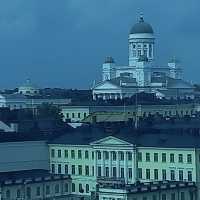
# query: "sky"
{"type": "Point", "coordinates": [64, 43]}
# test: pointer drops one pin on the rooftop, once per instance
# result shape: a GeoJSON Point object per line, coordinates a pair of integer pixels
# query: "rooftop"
{"type": "Point", "coordinates": [29, 176]}
{"type": "Point", "coordinates": [144, 137]}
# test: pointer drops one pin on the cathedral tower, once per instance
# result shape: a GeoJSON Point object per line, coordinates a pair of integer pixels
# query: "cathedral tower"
{"type": "Point", "coordinates": [141, 42]}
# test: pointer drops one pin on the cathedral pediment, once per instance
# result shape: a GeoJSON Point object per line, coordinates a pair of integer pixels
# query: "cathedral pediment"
{"type": "Point", "coordinates": [111, 141]}
{"type": "Point", "coordinates": [106, 85]}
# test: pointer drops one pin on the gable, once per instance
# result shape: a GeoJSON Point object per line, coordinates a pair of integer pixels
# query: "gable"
{"type": "Point", "coordinates": [106, 85]}
{"type": "Point", "coordinates": [110, 140]}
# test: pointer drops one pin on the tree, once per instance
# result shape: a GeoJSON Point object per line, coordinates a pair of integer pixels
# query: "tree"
{"type": "Point", "coordinates": [49, 111]}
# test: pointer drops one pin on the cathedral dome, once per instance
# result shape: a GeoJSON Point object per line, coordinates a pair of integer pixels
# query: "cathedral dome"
{"type": "Point", "coordinates": [141, 27]}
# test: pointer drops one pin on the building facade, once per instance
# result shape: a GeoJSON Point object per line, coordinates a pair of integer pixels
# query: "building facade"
{"type": "Point", "coordinates": [35, 185]}
{"type": "Point", "coordinates": [146, 159]}
{"type": "Point", "coordinates": [85, 113]}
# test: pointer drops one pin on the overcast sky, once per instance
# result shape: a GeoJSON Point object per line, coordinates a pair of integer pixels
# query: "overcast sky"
{"type": "Point", "coordinates": [63, 43]}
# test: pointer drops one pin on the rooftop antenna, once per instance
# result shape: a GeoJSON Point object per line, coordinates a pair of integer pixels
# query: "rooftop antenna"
{"type": "Point", "coordinates": [136, 107]}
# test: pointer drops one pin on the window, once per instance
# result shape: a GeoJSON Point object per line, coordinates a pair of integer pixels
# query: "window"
{"type": "Point", "coordinates": [114, 172]}
{"type": "Point", "coordinates": [139, 53]}
{"type": "Point", "coordinates": [79, 115]}
{"type": "Point", "coordinates": [129, 173]}
{"type": "Point", "coordinates": [66, 169]}
{"type": "Point", "coordinates": [189, 158]}
{"type": "Point", "coordinates": [148, 175]}
{"type": "Point", "coordinates": [53, 168]}
{"type": "Point", "coordinates": [53, 153]}
{"type": "Point", "coordinates": [73, 187]}
{"type": "Point", "coordinates": [107, 171]}
{"type": "Point", "coordinates": [171, 157]}
{"type": "Point", "coordinates": [155, 157]}
{"type": "Point", "coordinates": [154, 197]}
{"type": "Point", "coordinates": [173, 196]}
{"type": "Point", "coordinates": [180, 158]}
{"type": "Point", "coordinates": [99, 171]}
{"type": "Point", "coordinates": [106, 154]}
{"type": "Point", "coordinates": [172, 174]}
{"type": "Point", "coordinates": [121, 155]}
{"type": "Point", "coordinates": [66, 153]}
{"type": "Point", "coordinates": [189, 175]}
{"type": "Point", "coordinates": [164, 197]}
{"type": "Point", "coordinates": [164, 174]}
{"type": "Point", "coordinates": [57, 188]}
{"type": "Point", "coordinates": [87, 188]}
{"type": "Point", "coordinates": [73, 115]}
{"type": "Point", "coordinates": [86, 155]}
{"type": "Point", "coordinates": [8, 194]}
{"type": "Point", "coordinates": [93, 171]}
{"type": "Point", "coordinates": [47, 189]}
{"type": "Point", "coordinates": [85, 114]}
{"type": "Point", "coordinates": [59, 153]}
{"type": "Point", "coordinates": [73, 169]}
{"type": "Point", "coordinates": [80, 188]}
{"type": "Point", "coordinates": [156, 174]}
{"type": "Point", "coordinates": [140, 173]}
{"type": "Point", "coordinates": [93, 155]}
{"type": "Point", "coordinates": [67, 115]}
{"type": "Point", "coordinates": [180, 175]}
{"type": "Point", "coordinates": [28, 192]}
{"type": "Point", "coordinates": [18, 193]}
{"type": "Point", "coordinates": [87, 170]}
{"type": "Point", "coordinates": [122, 172]}
{"type": "Point", "coordinates": [182, 196]}
{"type": "Point", "coordinates": [80, 170]}
{"type": "Point", "coordinates": [164, 157]}
{"type": "Point", "coordinates": [129, 156]}
{"type": "Point", "coordinates": [79, 154]}
{"type": "Point", "coordinates": [114, 155]}
{"type": "Point", "coordinates": [66, 187]}
{"type": "Point", "coordinates": [147, 157]}
{"type": "Point", "coordinates": [150, 50]}
{"type": "Point", "coordinates": [72, 154]}
{"type": "Point", "coordinates": [99, 155]}
{"type": "Point", "coordinates": [59, 169]}
{"type": "Point", "coordinates": [139, 156]}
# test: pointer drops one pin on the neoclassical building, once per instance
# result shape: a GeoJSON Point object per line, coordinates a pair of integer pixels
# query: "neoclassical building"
{"type": "Point", "coordinates": [141, 74]}
{"type": "Point", "coordinates": [91, 154]}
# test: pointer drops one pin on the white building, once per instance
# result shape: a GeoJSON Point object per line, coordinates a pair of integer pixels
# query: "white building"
{"type": "Point", "coordinates": [29, 89]}
{"type": "Point", "coordinates": [88, 154]}
{"type": "Point", "coordinates": [141, 74]}
{"type": "Point", "coordinates": [20, 101]}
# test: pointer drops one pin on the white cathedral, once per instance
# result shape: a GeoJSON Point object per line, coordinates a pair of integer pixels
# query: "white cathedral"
{"type": "Point", "coordinates": [141, 74]}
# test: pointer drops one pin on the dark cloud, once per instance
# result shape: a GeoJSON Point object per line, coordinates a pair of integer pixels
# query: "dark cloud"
{"type": "Point", "coordinates": [63, 43]}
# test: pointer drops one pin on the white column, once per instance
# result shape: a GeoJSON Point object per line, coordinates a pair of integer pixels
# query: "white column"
{"type": "Point", "coordinates": [125, 167]}
{"type": "Point", "coordinates": [133, 167]}
{"type": "Point", "coordinates": [110, 163]}
{"type": "Point", "coordinates": [118, 166]}
{"type": "Point", "coordinates": [104, 96]}
{"type": "Point", "coordinates": [102, 164]}
{"type": "Point", "coordinates": [95, 163]}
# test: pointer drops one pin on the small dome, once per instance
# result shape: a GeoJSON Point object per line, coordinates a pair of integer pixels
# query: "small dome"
{"type": "Point", "coordinates": [141, 27]}
{"type": "Point", "coordinates": [143, 58]}
{"type": "Point", "coordinates": [109, 59]}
